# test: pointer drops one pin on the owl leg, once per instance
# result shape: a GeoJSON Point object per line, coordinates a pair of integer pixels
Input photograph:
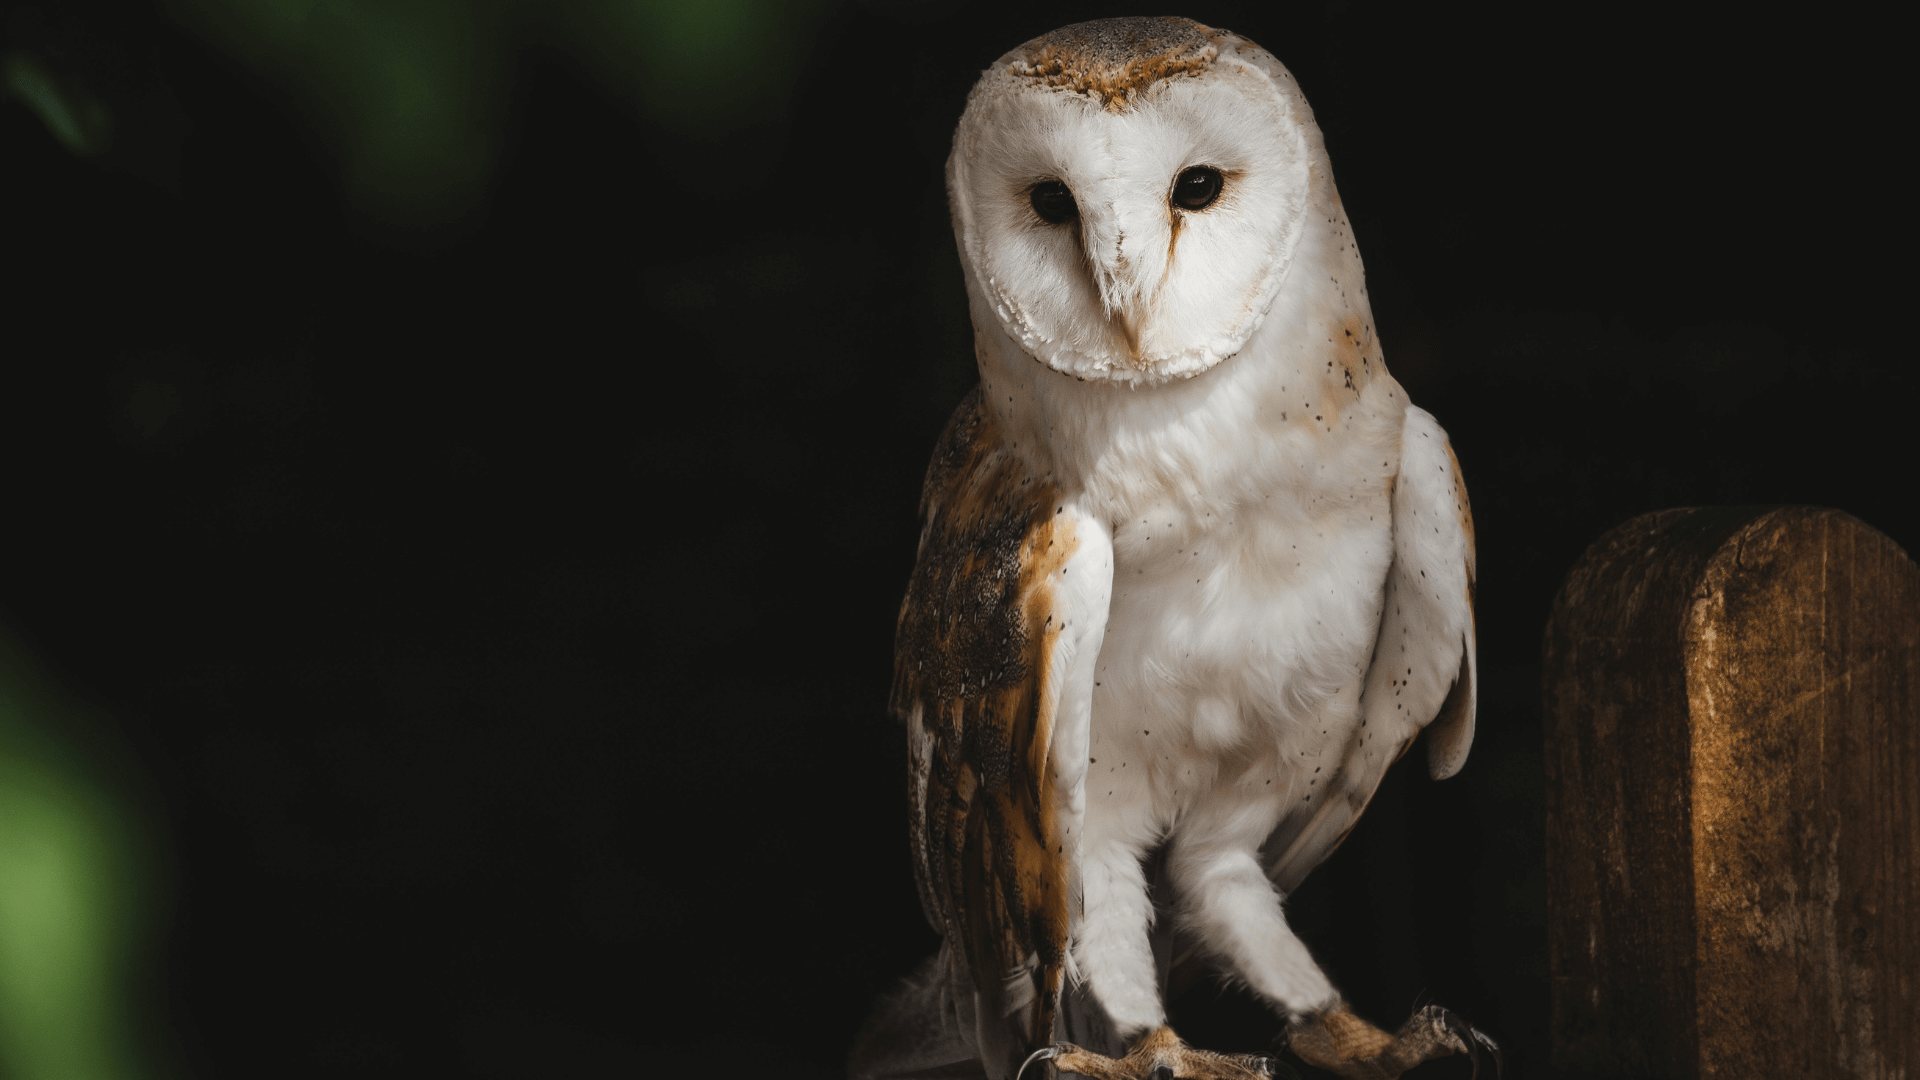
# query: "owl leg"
{"type": "Point", "coordinates": [1160, 1055]}
{"type": "Point", "coordinates": [1111, 946]}
{"type": "Point", "coordinates": [1113, 951]}
{"type": "Point", "coordinates": [1231, 906]}
{"type": "Point", "coordinates": [1235, 910]}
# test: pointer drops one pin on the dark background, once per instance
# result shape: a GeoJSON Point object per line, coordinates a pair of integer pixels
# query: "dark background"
{"type": "Point", "coordinates": [496, 602]}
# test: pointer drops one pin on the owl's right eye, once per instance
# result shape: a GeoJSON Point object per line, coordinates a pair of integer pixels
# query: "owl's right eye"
{"type": "Point", "coordinates": [1053, 202]}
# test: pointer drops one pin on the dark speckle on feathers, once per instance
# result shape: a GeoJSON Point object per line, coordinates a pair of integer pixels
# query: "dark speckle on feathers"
{"type": "Point", "coordinates": [961, 629]}
{"type": "Point", "coordinates": [970, 654]}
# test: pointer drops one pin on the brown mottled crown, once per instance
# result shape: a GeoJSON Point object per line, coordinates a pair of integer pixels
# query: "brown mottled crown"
{"type": "Point", "coordinates": [1112, 59]}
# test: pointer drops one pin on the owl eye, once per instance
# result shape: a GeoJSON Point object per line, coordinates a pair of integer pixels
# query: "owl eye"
{"type": "Point", "coordinates": [1053, 202]}
{"type": "Point", "coordinates": [1196, 188]}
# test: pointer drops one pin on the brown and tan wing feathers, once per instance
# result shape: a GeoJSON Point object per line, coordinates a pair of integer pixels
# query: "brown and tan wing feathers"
{"type": "Point", "coordinates": [973, 679]}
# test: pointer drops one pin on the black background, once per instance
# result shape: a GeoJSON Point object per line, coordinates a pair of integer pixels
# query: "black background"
{"type": "Point", "coordinates": [499, 620]}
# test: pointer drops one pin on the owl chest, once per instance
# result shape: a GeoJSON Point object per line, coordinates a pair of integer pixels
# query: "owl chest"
{"type": "Point", "coordinates": [1230, 626]}
{"type": "Point", "coordinates": [1250, 554]}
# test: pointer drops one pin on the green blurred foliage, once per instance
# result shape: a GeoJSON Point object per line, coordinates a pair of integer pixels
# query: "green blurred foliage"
{"type": "Point", "coordinates": [410, 93]}
{"type": "Point", "coordinates": [74, 899]}
{"type": "Point", "coordinates": [81, 122]}
{"type": "Point", "coordinates": [687, 63]}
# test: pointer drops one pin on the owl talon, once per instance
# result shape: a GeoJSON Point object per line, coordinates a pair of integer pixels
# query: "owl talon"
{"type": "Point", "coordinates": [1342, 1043]}
{"type": "Point", "coordinates": [1160, 1055]}
{"type": "Point", "coordinates": [1473, 1042]}
{"type": "Point", "coordinates": [1045, 1053]}
{"type": "Point", "coordinates": [1493, 1049]}
{"type": "Point", "coordinates": [1477, 1042]}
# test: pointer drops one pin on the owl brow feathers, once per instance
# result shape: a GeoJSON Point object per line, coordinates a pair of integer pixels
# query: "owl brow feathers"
{"type": "Point", "coordinates": [1114, 59]}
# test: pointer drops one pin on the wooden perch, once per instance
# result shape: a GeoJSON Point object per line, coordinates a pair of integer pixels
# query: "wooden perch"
{"type": "Point", "coordinates": [1733, 800]}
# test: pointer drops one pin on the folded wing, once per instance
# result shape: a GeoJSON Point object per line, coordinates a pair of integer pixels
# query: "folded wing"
{"type": "Point", "coordinates": [1422, 675]}
{"type": "Point", "coordinates": [993, 675]}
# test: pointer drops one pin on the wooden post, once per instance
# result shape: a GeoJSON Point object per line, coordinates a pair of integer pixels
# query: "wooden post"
{"type": "Point", "coordinates": [1733, 800]}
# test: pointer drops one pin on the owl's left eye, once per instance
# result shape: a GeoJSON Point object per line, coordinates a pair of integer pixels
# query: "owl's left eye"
{"type": "Point", "coordinates": [1196, 188]}
{"type": "Point", "coordinates": [1053, 201]}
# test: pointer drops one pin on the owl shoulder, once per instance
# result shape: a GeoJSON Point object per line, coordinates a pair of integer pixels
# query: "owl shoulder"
{"type": "Point", "coordinates": [993, 533]}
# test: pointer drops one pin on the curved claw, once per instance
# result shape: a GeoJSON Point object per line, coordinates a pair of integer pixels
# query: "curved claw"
{"type": "Point", "coordinates": [1499, 1061]}
{"type": "Point", "coordinates": [1474, 1040]}
{"type": "Point", "coordinates": [1274, 1068]}
{"type": "Point", "coordinates": [1045, 1053]}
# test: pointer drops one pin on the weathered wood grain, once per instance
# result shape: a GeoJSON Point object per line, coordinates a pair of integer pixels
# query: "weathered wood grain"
{"type": "Point", "coordinates": [1733, 800]}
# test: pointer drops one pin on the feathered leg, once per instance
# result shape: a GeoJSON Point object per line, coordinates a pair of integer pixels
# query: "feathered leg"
{"type": "Point", "coordinates": [1112, 946]}
{"type": "Point", "coordinates": [1229, 903]}
{"type": "Point", "coordinates": [1115, 953]}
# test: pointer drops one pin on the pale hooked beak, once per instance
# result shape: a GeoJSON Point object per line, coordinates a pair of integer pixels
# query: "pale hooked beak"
{"type": "Point", "coordinates": [1127, 256]}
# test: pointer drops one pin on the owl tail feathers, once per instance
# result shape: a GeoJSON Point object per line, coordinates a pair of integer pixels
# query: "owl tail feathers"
{"type": "Point", "coordinates": [922, 1030]}
{"type": "Point", "coordinates": [928, 1028]}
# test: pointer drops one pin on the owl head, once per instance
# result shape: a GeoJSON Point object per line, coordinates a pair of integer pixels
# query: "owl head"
{"type": "Point", "coordinates": [1127, 195]}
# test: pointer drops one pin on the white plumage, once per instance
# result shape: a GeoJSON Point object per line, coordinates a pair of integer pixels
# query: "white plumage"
{"type": "Point", "coordinates": [1220, 568]}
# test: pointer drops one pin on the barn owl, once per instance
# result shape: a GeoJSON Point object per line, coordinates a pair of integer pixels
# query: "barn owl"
{"type": "Point", "coordinates": [1193, 572]}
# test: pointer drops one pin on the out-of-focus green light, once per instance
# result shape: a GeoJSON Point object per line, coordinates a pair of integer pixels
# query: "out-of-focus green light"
{"type": "Point", "coordinates": [404, 88]}
{"type": "Point", "coordinates": [691, 62]}
{"type": "Point", "coordinates": [70, 903]}
{"type": "Point", "coordinates": [409, 90]}
{"type": "Point", "coordinates": [82, 124]}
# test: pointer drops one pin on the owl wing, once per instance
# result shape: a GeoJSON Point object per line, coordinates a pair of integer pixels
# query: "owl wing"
{"type": "Point", "coordinates": [1422, 674]}
{"type": "Point", "coordinates": [993, 675]}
